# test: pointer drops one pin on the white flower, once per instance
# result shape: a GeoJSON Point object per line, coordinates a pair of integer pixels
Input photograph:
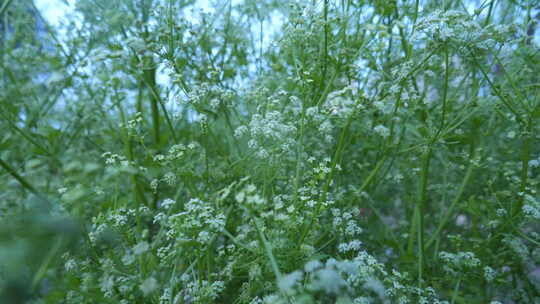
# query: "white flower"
{"type": "Point", "coordinates": [382, 131]}
{"type": "Point", "coordinates": [287, 282]}
{"type": "Point", "coordinates": [489, 273]}
{"type": "Point", "coordinates": [312, 266]}
{"type": "Point", "coordinates": [148, 286]}
{"type": "Point", "coordinates": [70, 265]}
{"type": "Point", "coordinates": [167, 203]}
{"type": "Point", "coordinates": [240, 131]}
{"type": "Point", "coordinates": [169, 178]}
{"type": "Point", "coordinates": [141, 248]}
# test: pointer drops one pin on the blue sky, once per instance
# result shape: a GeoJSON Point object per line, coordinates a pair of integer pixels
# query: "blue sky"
{"type": "Point", "coordinates": [54, 10]}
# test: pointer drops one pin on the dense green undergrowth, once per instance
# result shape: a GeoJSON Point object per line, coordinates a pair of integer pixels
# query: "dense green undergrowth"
{"type": "Point", "coordinates": [270, 152]}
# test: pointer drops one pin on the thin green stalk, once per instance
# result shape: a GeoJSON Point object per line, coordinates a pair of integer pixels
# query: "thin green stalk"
{"type": "Point", "coordinates": [298, 153]}
{"type": "Point", "coordinates": [237, 242]}
{"type": "Point", "coordinates": [149, 76]}
{"type": "Point", "coordinates": [157, 98]}
{"type": "Point", "coordinates": [40, 274]}
{"type": "Point", "coordinates": [421, 205]}
{"type": "Point", "coordinates": [5, 6]}
{"type": "Point", "coordinates": [457, 199]}
{"type": "Point", "coordinates": [268, 249]}
{"type": "Point", "coordinates": [325, 57]}
{"type": "Point", "coordinates": [525, 236]}
{"type": "Point", "coordinates": [490, 11]}
{"type": "Point", "coordinates": [22, 181]}
{"type": "Point", "coordinates": [413, 70]}
{"type": "Point", "coordinates": [412, 231]}
{"type": "Point", "coordinates": [26, 136]}
{"type": "Point", "coordinates": [235, 142]}
{"type": "Point", "coordinates": [387, 227]}
{"type": "Point", "coordinates": [138, 192]}
{"type": "Point", "coordinates": [525, 155]}
{"type": "Point", "coordinates": [416, 9]}
{"type": "Point", "coordinates": [326, 187]}
{"type": "Point", "coordinates": [444, 98]}
{"type": "Point", "coordinates": [516, 90]}
{"type": "Point", "coordinates": [456, 290]}
{"type": "Point", "coordinates": [507, 103]}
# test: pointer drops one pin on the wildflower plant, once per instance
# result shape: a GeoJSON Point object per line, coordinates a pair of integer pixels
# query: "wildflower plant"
{"type": "Point", "coordinates": [257, 152]}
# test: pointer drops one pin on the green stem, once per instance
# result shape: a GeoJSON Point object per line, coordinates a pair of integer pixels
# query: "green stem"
{"type": "Point", "coordinates": [445, 97]}
{"type": "Point", "coordinates": [46, 262]}
{"type": "Point", "coordinates": [507, 103]}
{"type": "Point", "coordinates": [22, 180]}
{"type": "Point", "coordinates": [4, 6]}
{"type": "Point", "coordinates": [138, 191]}
{"type": "Point", "coordinates": [158, 100]}
{"type": "Point", "coordinates": [299, 152]}
{"type": "Point", "coordinates": [325, 58]}
{"type": "Point", "coordinates": [457, 199]}
{"type": "Point", "coordinates": [336, 157]}
{"type": "Point", "coordinates": [268, 249]}
{"type": "Point", "coordinates": [490, 10]}
{"type": "Point", "coordinates": [26, 136]}
{"type": "Point", "coordinates": [525, 152]}
{"type": "Point", "coordinates": [416, 8]}
{"type": "Point", "coordinates": [456, 290]}
{"type": "Point", "coordinates": [149, 76]}
{"type": "Point", "coordinates": [421, 207]}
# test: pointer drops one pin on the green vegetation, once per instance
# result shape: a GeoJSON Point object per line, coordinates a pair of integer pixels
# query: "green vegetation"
{"type": "Point", "coordinates": [372, 151]}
